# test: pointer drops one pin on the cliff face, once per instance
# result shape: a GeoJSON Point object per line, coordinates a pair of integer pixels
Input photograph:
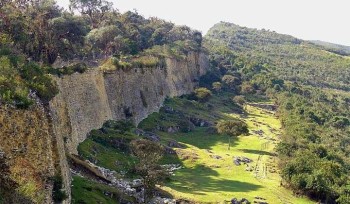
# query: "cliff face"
{"type": "Point", "coordinates": [85, 101]}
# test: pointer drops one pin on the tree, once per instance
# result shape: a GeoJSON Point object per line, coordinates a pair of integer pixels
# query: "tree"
{"type": "Point", "coordinates": [68, 34]}
{"type": "Point", "coordinates": [230, 81]}
{"type": "Point", "coordinates": [247, 88]}
{"type": "Point", "coordinates": [203, 94]}
{"type": "Point", "coordinates": [149, 153]}
{"type": "Point", "coordinates": [105, 39]}
{"type": "Point", "coordinates": [96, 10]}
{"type": "Point", "coordinates": [232, 128]}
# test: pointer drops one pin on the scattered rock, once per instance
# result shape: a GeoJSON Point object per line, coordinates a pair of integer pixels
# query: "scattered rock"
{"type": "Point", "coordinates": [237, 201]}
{"type": "Point", "coordinates": [168, 109]}
{"type": "Point", "coordinates": [147, 135]}
{"type": "Point", "coordinates": [238, 160]}
{"type": "Point", "coordinates": [151, 136]}
{"type": "Point", "coordinates": [183, 201]}
{"type": "Point", "coordinates": [159, 200]}
{"type": "Point", "coordinates": [136, 183]}
{"type": "Point", "coordinates": [207, 150]}
{"type": "Point", "coordinates": [199, 122]}
{"type": "Point", "coordinates": [171, 168]}
{"type": "Point", "coordinates": [173, 129]}
{"type": "Point", "coordinates": [215, 156]}
{"type": "Point", "coordinates": [259, 132]}
{"type": "Point", "coordinates": [175, 144]}
{"type": "Point", "coordinates": [139, 132]}
{"type": "Point", "coordinates": [169, 150]}
{"type": "Point", "coordinates": [259, 198]}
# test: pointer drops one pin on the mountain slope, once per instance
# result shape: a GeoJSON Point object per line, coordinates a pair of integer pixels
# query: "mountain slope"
{"type": "Point", "coordinates": [289, 58]}
{"type": "Point", "coordinates": [336, 48]}
{"type": "Point", "coordinates": [303, 80]}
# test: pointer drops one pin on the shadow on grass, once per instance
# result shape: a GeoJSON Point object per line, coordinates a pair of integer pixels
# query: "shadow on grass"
{"type": "Point", "coordinates": [259, 152]}
{"type": "Point", "coordinates": [199, 180]}
{"type": "Point", "coordinates": [202, 139]}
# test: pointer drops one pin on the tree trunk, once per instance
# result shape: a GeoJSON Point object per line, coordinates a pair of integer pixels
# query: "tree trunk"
{"type": "Point", "coordinates": [229, 143]}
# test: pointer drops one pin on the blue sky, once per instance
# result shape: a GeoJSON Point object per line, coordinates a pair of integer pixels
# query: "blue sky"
{"type": "Point", "coordinates": [326, 20]}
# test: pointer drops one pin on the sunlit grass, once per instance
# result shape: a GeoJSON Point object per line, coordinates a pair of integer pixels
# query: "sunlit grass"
{"type": "Point", "coordinates": [205, 179]}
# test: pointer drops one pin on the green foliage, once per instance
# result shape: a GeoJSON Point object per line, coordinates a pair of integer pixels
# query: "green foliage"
{"type": "Point", "coordinates": [253, 51]}
{"type": "Point", "coordinates": [314, 148]}
{"type": "Point", "coordinates": [148, 154]}
{"type": "Point", "coordinates": [68, 70]}
{"type": "Point", "coordinates": [202, 94]}
{"type": "Point", "coordinates": [18, 76]}
{"type": "Point", "coordinates": [58, 194]}
{"type": "Point", "coordinates": [233, 128]}
{"type": "Point", "coordinates": [314, 161]}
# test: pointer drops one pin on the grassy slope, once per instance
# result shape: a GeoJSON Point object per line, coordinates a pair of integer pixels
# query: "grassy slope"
{"type": "Point", "coordinates": [205, 179]}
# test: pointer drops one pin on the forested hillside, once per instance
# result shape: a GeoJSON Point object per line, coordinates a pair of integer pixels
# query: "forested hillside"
{"type": "Point", "coordinates": [290, 58]}
{"type": "Point", "coordinates": [338, 49]}
{"type": "Point", "coordinates": [298, 76]}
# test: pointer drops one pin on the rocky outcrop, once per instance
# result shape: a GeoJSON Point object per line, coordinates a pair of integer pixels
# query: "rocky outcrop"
{"type": "Point", "coordinates": [85, 101]}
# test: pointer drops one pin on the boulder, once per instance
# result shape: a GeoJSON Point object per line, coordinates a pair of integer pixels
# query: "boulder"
{"type": "Point", "coordinates": [235, 201]}
{"type": "Point", "coordinates": [169, 150]}
{"type": "Point", "coordinates": [172, 129]}
{"type": "Point", "coordinates": [168, 109]}
{"type": "Point", "coordinates": [175, 144]}
{"type": "Point", "coordinates": [139, 132]}
{"type": "Point", "coordinates": [151, 136]}
{"type": "Point", "coordinates": [199, 122]}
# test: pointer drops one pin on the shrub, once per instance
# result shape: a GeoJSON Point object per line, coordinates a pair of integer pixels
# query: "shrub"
{"type": "Point", "coordinates": [217, 86]}
{"type": "Point", "coordinates": [68, 70]}
{"type": "Point", "coordinates": [239, 99]}
{"type": "Point", "coordinates": [58, 194]}
{"type": "Point", "coordinates": [202, 94]}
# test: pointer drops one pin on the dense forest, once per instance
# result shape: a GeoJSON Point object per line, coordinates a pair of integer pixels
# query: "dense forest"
{"type": "Point", "coordinates": [34, 34]}
{"type": "Point", "coordinates": [314, 151]}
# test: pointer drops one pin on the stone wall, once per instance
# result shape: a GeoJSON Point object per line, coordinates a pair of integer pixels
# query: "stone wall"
{"type": "Point", "coordinates": [85, 101]}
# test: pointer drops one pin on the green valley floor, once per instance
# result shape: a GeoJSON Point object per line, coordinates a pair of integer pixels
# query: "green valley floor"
{"type": "Point", "coordinates": [210, 175]}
